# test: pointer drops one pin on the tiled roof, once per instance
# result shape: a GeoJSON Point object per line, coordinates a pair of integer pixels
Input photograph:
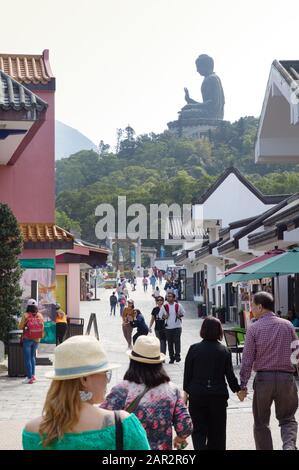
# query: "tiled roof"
{"type": "Point", "coordinates": [27, 68]}
{"type": "Point", "coordinates": [14, 96]}
{"type": "Point", "coordinates": [44, 233]}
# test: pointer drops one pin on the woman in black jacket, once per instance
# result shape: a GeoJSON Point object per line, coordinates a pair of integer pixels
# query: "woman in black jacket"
{"type": "Point", "coordinates": [207, 365]}
{"type": "Point", "coordinates": [139, 323]}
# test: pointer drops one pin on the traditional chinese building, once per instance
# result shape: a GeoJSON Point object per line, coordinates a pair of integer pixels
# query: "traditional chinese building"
{"type": "Point", "coordinates": [27, 165]}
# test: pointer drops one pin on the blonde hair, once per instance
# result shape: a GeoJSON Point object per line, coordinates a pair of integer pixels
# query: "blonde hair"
{"type": "Point", "coordinates": [61, 409]}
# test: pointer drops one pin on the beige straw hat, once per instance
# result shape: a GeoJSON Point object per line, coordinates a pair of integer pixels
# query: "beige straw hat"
{"type": "Point", "coordinates": [79, 356]}
{"type": "Point", "coordinates": [147, 349]}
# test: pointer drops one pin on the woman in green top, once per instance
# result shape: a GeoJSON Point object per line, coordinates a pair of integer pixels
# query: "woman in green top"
{"type": "Point", "coordinates": [70, 420]}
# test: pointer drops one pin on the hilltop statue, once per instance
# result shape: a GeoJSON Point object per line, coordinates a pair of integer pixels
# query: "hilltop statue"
{"type": "Point", "coordinates": [212, 106]}
{"type": "Point", "coordinates": [197, 120]}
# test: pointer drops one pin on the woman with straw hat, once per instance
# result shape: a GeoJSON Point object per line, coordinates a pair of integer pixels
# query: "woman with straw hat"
{"type": "Point", "coordinates": [70, 420]}
{"type": "Point", "coordinates": [147, 391]}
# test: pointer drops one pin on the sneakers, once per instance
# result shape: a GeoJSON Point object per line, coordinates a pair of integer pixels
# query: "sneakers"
{"type": "Point", "coordinates": [171, 361]}
{"type": "Point", "coordinates": [178, 360]}
{"type": "Point", "coordinates": [28, 381]}
{"type": "Point", "coordinates": [33, 378]}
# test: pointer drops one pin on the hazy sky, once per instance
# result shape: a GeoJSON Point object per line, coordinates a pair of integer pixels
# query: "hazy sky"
{"type": "Point", "coordinates": [128, 61]}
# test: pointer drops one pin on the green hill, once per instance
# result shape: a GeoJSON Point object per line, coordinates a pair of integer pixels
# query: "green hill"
{"type": "Point", "coordinates": [161, 168]}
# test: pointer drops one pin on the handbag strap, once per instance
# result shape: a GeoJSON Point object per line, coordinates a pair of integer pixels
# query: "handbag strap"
{"type": "Point", "coordinates": [119, 435]}
{"type": "Point", "coordinates": [133, 405]}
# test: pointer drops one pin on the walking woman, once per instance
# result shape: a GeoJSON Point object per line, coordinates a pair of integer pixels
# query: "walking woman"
{"type": "Point", "coordinates": [207, 365]}
{"type": "Point", "coordinates": [32, 324]}
{"type": "Point", "coordinates": [70, 421]}
{"type": "Point", "coordinates": [147, 391]}
{"type": "Point", "coordinates": [159, 324]}
{"type": "Point", "coordinates": [128, 316]}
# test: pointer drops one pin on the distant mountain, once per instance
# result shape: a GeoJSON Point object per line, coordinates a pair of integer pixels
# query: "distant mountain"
{"type": "Point", "coordinates": [69, 141]}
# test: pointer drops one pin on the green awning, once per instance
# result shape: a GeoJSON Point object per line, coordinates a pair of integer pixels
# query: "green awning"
{"type": "Point", "coordinates": [286, 263]}
{"type": "Point", "coordinates": [38, 263]}
{"type": "Point", "coordinates": [241, 278]}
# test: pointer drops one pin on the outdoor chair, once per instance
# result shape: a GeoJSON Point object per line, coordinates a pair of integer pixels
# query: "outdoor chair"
{"type": "Point", "coordinates": [241, 333]}
{"type": "Point", "coordinates": [232, 342]}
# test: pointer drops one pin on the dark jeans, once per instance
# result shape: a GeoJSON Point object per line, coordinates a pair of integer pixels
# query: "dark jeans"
{"type": "Point", "coordinates": [173, 337]}
{"type": "Point", "coordinates": [29, 350]}
{"type": "Point", "coordinates": [60, 332]}
{"type": "Point", "coordinates": [113, 308]}
{"type": "Point", "coordinates": [208, 415]}
{"type": "Point", "coordinates": [145, 287]}
{"type": "Point", "coordinates": [281, 388]}
{"type": "Point", "coordinates": [161, 335]}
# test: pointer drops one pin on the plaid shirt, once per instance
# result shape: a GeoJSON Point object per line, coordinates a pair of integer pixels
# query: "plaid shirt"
{"type": "Point", "coordinates": [268, 346]}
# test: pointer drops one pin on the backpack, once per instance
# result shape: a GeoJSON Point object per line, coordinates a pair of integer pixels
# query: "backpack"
{"type": "Point", "coordinates": [176, 307]}
{"type": "Point", "coordinates": [34, 327]}
{"type": "Point", "coordinates": [113, 300]}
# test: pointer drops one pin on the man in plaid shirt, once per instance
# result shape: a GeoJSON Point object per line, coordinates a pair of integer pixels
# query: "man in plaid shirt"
{"type": "Point", "coordinates": [271, 346]}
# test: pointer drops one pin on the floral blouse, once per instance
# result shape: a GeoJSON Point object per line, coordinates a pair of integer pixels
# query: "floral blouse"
{"type": "Point", "coordinates": [158, 410]}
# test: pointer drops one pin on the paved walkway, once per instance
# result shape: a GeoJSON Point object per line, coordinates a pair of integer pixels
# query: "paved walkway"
{"type": "Point", "coordinates": [20, 403]}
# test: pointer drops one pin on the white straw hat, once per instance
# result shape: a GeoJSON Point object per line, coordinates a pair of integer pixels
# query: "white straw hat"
{"type": "Point", "coordinates": [147, 349]}
{"type": "Point", "coordinates": [79, 356]}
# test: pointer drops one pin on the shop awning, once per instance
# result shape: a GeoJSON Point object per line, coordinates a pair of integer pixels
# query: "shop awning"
{"type": "Point", "coordinates": [286, 263]}
{"type": "Point", "coordinates": [38, 263]}
{"type": "Point", "coordinates": [259, 259]}
{"type": "Point", "coordinates": [239, 277]}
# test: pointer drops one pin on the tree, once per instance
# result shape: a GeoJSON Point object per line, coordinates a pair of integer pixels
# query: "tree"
{"type": "Point", "coordinates": [11, 245]}
{"type": "Point", "coordinates": [103, 149]}
{"type": "Point", "coordinates": [64, 221]}
{"type": "Point", "coordinates": [128, 143]}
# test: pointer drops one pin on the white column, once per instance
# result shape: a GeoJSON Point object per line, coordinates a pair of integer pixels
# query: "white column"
{"type": "Point", "coordinates": [211, 279]}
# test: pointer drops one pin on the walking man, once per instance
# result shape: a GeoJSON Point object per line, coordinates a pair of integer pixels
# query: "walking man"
{"type": "Point", "coordinates": [113, 303]}
{"type": "Point", "coordinates": [268, 349]}
{"type": "Point", "coordinates": [153, 281]}
{"type": "Point", "coordinates": [145, 283]}
{"type": "Point", "coordinates": [172, 312]}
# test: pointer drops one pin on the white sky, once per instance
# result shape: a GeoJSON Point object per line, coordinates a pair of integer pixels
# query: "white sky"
{"type": "Point", "coordinates": [128, 61]}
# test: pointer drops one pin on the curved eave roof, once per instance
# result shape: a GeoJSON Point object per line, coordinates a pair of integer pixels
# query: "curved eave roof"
{"type": "Point", "coordinates": [14, 96]}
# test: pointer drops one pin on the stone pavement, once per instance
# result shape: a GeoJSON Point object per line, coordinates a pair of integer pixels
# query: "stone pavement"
{"type": "Point", "coordinates": [20, 403]}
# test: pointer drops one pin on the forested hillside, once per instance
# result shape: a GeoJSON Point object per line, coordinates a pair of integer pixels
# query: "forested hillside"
{"type": "Point", "coordinates": [161, 168]}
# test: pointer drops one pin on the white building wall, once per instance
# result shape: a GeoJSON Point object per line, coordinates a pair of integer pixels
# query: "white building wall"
{"type": "Point", "coordinates": [231, 201]}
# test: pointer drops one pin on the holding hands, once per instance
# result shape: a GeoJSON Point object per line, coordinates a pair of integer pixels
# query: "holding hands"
{"type": "Point", "coordinates": [242, 394]}
{"type": "Point", "coordinates": [179, 443]}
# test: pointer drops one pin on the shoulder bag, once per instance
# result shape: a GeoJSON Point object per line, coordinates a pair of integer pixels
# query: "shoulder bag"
{"type": "Point", "coordinates": [133, 405]}
{"type": "Point", "coordinates": [119, 435]}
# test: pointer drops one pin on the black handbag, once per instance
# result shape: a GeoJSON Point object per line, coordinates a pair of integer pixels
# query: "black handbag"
{"type": "Point", "coordinates": [119, 435]}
